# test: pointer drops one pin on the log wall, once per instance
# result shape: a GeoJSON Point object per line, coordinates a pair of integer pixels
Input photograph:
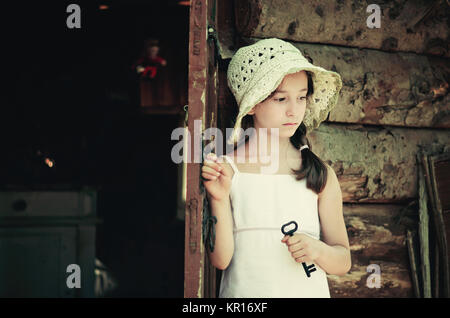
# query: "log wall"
{"type": "Point", "coordinates": [394, 102]}
{"type": "Point", "coordinates": [406, 26]}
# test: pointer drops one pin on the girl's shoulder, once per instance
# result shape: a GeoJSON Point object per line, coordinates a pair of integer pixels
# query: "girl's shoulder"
{"type": "Point", "coordinates": [332, 186]}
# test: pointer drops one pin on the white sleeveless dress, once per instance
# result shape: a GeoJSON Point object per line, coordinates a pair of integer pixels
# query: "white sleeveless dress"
{"type": "Point", "coordinates": [262, 266]}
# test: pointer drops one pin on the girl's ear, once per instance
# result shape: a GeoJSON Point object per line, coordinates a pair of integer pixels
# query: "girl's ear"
{"type": "Point", "coordinates": [252, 111]}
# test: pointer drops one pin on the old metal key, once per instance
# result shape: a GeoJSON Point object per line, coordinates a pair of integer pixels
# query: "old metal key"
{"type": "Point", "coordinates": [308, 269]}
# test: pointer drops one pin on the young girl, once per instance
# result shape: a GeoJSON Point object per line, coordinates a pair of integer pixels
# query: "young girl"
{"type": "Point", "coordinates": [279, 92]}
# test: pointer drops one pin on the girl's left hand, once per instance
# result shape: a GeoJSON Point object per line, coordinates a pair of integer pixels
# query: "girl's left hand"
{"type": "Point", "coordinates": [303, 248]}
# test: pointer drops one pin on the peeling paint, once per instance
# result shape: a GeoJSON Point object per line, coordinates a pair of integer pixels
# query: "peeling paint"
{"type": "Point", "coordinates": [203, 100]}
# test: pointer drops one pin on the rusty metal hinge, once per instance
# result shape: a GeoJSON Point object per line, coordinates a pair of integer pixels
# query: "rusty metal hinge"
{"type": "Point", "coordinates": [213, 36]}
{"type": "Point", "coordinates": [185, 108]}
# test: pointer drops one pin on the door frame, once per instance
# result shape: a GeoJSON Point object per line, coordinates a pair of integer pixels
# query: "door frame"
{"type": "Point", "coordinates": [199, 274]}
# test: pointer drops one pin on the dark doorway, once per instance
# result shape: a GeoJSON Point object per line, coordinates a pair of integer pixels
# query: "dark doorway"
{"type": "Point", "coordinates": [71, 95]}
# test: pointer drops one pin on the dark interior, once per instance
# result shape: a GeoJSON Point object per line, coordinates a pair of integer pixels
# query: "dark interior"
{"type": "Point", "coordinates": [71, 96]}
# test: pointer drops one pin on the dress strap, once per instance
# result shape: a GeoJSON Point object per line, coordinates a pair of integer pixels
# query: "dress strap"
{"type": "Point", "coordinates": [231, 162]}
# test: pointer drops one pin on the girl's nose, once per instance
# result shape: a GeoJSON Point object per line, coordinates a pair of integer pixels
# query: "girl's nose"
{"type": "Point", "coordinates": [291, 109]}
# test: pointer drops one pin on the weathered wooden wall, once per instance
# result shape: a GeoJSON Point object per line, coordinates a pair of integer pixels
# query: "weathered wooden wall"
{"type": "Point", "coordinates": [376, 164]}
{"type": "Point", "coordinates": [376, 236]}
{"type": "Point", "coordinates": [407, 26]}
{"type": "Point", "coordinates": [393, 103]}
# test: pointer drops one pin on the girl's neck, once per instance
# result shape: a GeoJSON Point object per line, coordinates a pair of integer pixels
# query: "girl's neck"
{"type": "Point", "coordinates": [267, 146]}
{"type": "Point", "coordinates": [276, 156]}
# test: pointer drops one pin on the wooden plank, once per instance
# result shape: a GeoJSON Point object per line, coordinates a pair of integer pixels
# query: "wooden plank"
{"type": "Point", "coordinates": [440, 165]}
{"type": "Point", "coordinates": [423, 233]}
{"type": "Point", "coordinates": [226, 28]}
{"type": "Point", "coordinates": [408, 26]}
{"type": "Point", "coordinates": [194, 250]}
{"type": "Point", "coordinates": [199, 274]}
{"type": "Point", "coordinates": [436, 272]}
{"type": "Point", "coordinates": [375, 164]}
{"type": "Point", "coordinates": [413, 262]}
{"type": "Point", "coordinates": [437, 169]}
{"type": "Point", "coordinates": [210, 115]}
{"type": "Point", "coordinates": [436, 238]}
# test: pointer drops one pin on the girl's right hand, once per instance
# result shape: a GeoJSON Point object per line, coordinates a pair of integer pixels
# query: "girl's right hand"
{"type": "Point", "coordinates": [216, 178]}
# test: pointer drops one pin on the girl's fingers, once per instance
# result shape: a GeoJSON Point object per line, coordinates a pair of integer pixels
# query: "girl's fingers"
{"type": "Point", "coordinates": [209, 177]}
{"type": "Point", "coordinates": [210, 170]}
{"type": "Point", "coordinates": [297, 254]}
{"type": "Point", "coordinates": [290, 240]}
{"type": "Point", "coordinates": [295, 247]}
{"type": "Point", "coordinates": [211, 157]}
{"type": "Point", "coordinates": [213, 165]}
{"type": "Point", "coordinates": [303, 259]}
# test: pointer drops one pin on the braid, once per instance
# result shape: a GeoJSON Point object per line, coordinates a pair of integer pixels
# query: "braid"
{"type": "Point", "coordinates": [312, 167]}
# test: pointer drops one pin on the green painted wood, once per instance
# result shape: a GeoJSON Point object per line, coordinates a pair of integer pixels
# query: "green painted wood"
{"type": "Point", "coordinates": [40, 241]}
{"type": "Point", "coordinates": [424, 233]}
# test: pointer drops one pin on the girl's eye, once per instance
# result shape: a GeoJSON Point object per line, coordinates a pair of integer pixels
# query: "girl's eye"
{"type": "Point", "coordinates": [283, 98]}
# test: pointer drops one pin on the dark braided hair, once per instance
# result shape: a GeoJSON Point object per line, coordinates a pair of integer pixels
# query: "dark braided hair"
{"type": "Point", "coordinates": [312, 168]}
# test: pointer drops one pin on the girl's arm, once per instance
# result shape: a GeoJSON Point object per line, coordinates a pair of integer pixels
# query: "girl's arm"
{"type": "Point", "coordinates": [224, 243]}
{"type": "Point", "coordinates": [334, 249]}
{"type": "Point", "coordinates": [218, 184]}
{"type": "Point", "coordinates": [333, 253]}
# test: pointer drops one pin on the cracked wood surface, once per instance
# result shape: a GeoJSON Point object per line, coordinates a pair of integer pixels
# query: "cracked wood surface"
{"type": "Point", "coordinates": [379, 88]}
{"type": "Point", "coordinates": [392, 104]}
{"type": "Point", "coordinates": [377, 236]}
{"type": "Point", "coordinates": [408, 26]}
{"type": "Point", "coordinates": [375, 164]}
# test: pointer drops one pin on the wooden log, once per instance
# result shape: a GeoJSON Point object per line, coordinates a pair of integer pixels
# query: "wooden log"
{"type": "Point", "coordinates": [375, 231]}
{"type": "Point", "coordinates": [376, 236]}
{"type": "Point", "coordinates": [375, 164]}
{"type": "Point", "coordinates": [408, 26]}
{"type": "Point", "coordinates": [379, 88]}
{"type": "Point", "coordinates": [395, 282]}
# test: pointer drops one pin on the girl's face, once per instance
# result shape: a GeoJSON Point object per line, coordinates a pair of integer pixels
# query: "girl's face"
{"type": "Point", "coordinates": [285, 106]}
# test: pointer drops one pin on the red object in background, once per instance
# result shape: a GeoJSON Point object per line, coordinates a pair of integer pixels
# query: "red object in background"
{"type": "Point", "coordinates": [149, 65]}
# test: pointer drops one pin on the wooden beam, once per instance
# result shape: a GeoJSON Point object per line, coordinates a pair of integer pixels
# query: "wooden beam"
{"type": "Point", "coordinates": [408, 26]}
{"type": "Point", "coordinates": [379, 88]}
{"type": "Point", "coordinates": [375, 164]}
{"type": "Point", "coordinates": [198, 58]}
{"type": "Point", "coordinates": [377, 236]}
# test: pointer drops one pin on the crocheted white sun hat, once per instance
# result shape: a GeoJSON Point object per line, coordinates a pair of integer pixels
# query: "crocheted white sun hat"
{"type": "Point", "coordinates": [256, 70]}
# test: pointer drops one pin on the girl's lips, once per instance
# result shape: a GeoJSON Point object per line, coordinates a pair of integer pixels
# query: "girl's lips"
{"type": "Point", "coordinates": [290, 124]}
